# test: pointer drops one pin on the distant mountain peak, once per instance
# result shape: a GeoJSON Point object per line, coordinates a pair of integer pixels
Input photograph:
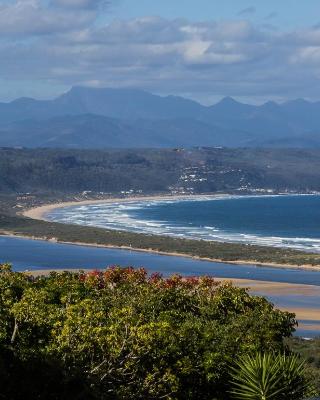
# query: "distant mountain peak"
{"type": "Point", "coordinates": [133, 117]}
{"type": "Point", "coordinates": [23, 100]}
{"type": "Point", "coordinates": [227, 101]}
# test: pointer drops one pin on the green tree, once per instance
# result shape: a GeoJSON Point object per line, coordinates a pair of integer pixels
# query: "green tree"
{"type": "Point", "coordinates": [120, 334]}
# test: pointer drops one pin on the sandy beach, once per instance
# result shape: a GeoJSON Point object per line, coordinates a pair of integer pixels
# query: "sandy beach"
{"type": "Point", "coordinates": [40, 212]}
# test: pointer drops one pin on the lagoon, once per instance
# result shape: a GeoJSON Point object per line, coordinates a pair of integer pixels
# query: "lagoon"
{"type": "Point", "coordinates": [27, 254]}
{"type": "Point", "coordinates": [33, 254]}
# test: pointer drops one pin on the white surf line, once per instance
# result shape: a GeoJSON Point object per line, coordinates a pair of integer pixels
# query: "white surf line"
{"type": "Point", "coordinates": [116, 216]}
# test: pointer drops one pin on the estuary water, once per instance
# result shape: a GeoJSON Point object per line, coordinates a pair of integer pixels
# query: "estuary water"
{"type": "Point", "coordinates": [26, 254]}
{"type": "Point", "coordinates": [291, 221]}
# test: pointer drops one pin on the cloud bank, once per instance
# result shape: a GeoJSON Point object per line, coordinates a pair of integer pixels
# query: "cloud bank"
{"type": "Point", "coordinates": [61, 42]}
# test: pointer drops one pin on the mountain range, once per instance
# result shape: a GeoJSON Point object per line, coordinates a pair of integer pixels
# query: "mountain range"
{"type": "Point", "coordinates": [101, 118]}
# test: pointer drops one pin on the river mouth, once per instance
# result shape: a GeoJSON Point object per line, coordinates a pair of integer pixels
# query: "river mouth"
{"type": "Point", "coordinates": [288, 289]}
{"type": "Point", "coordinates": [291, 221]}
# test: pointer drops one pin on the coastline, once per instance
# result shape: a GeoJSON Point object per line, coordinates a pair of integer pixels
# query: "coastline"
{"type": "Point", "coordinates": [306, 267]}
{"type": "Point", "coordinates": [41, 211]}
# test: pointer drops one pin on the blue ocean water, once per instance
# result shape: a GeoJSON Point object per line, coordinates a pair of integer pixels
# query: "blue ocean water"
{"type": "Point", "coordinates": [282, 221]}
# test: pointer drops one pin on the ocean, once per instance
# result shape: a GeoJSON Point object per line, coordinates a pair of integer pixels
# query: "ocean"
{"type": "Point", "coordinates": [291, 221]}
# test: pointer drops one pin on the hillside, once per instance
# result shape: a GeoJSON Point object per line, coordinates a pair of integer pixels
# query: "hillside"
{"type": "Point", "coordinates": [88, 118]}
{"type": "Point", "coordinates": [200, 170]}
{"type": "Point", "coordinates": [96, 131]}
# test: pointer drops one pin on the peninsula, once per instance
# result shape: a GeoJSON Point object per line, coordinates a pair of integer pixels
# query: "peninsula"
{"type": "Point", "coordinates": [31, 224]}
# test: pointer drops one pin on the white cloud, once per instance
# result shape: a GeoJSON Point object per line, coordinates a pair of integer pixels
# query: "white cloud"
{"type": "Point", "coordinates": [32, 17]}
{"type": "Point", "coordinates": [60, 43]}
{"type": "Point", "coordinates": [307, 55]}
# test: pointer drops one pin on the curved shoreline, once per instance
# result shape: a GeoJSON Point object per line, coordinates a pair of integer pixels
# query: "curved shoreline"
{"type": "Point", "coordinates": [40, 211]}
{"type": "Point", "coordinates": [306, 267]}
{"type": "Point", "coordinates": [111, 214]}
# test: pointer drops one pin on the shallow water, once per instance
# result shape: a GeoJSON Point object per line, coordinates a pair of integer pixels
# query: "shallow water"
{"type": "Point", "coordinates": [26, 254]}
{"type": "Point", "coordinates": [33, 254]}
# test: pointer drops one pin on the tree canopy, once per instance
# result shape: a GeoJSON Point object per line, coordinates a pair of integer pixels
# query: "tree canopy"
{"type": "Point", "coordinates": [124, 334]}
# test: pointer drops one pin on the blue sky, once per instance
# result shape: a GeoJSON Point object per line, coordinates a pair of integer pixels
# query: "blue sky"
{"type": "Point", "coordinates": [253, 51]}
{"type": "Point", "coordinates": [283, 13]}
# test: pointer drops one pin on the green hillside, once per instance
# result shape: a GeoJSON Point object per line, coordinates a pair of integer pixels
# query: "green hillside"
{"type": "Point", "coordinates": [149, 171]}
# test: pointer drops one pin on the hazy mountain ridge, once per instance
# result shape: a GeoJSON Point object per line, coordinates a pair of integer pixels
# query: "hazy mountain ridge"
{"type": "Point", "coordinates": [87, 117]}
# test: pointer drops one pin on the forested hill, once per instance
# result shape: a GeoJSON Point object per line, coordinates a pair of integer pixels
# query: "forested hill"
{"type": "Point", "coordinates": [91, 118]}
{"type": "Point", "coordinates": [198, 170]}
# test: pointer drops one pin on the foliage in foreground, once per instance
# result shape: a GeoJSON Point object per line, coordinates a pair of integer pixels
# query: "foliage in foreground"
{"type": "Point", "coordinates": [271, 377]}
{"type": "Point", "coordinates": [121, 334]}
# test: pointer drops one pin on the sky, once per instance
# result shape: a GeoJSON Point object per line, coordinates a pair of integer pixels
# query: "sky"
{"type": "Point", "coordinates": [254, 51]}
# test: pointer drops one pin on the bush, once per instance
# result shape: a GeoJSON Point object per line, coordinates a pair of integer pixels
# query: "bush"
{"type": "Point", "coordinates": [121, 334]}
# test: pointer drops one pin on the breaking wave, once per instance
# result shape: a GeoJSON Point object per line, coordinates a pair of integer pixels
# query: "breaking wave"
{"type": "Point", "coordinates": [126, 216]}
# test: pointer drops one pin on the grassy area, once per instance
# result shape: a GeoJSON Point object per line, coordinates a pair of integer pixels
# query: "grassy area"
{"type": "Point", "coordinates": [197, 248]}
